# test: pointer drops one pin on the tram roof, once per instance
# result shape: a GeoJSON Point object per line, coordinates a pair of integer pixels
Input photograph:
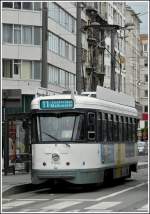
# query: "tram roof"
{"type": "Point", "coordinates": [88, 103]}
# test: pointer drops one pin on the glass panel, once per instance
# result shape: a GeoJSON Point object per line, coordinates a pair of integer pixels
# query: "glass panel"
{"type": "Point", "coordinates": [61, 127]}
{"type": "Point", "coordinates": [7, 33]}
{"type": "Point", "coordinates": [62, 47]}
{"type": "Point", "coordinates": [7, 68]}
{"type": "Point", "coordinates": [67, 50]}
{"type": "Point", "coordinates": [8, 4]}
{"type": "Point", "coordinates": [37, 6]}
{"type": "Point", "coordinates": [67, 79]}
{"type": "Point", "coordinates": [26, 70]}
{"type": "Point", "coordinates": [27, 5]}
{"type": "Point", "coordinates": [62, 78]}
{"type": "Point", "coordinates": [17, 67]}
{"type": "Point", "coordinates": [27, 35]}
{"type": "Point", "coordinates": [37, 70]}
{"type": "Point", "coordinates": [17, 5]}
{"type": "Point", "coordinates": [17, 34]}
{"type": "Point", "coordinates": [37, 35]}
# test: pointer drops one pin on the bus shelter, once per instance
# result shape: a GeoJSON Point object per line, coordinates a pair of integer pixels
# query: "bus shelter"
{"type": "Point", "coordinates": [16, 143]}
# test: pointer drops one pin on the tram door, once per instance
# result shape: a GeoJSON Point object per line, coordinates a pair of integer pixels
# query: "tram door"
{"type": "Point", "coordinates": [16, 143]}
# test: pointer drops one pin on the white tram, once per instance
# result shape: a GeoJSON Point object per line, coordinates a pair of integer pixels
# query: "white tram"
{"type": "Point", "coordinates": [83, 139]}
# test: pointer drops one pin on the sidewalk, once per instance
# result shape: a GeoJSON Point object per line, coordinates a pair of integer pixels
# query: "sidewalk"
{"type": "Point", "coordinates": [12, 183]}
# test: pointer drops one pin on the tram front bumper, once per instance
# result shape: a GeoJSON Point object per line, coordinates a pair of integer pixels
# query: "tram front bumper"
{"type": "Point", "coordinates": [76, 176]}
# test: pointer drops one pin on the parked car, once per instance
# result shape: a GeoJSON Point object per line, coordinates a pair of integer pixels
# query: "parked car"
{"type": "Point", "coordinates": [142, 147]}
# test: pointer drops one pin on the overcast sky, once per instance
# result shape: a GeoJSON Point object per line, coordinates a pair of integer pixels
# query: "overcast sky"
{"type": "Point", "coordinates": [141, 7]}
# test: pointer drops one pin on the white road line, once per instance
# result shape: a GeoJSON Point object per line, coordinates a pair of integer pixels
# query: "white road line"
{"type": "Point", "coordinates": [33, 199]}
{"type": "Point", "coordinates": [59, 206]}
{"type": "Point", "coordinates": [103, 205]}
{"type": "Point", "coordinates": [6, 199]}
{"type": "Point", "coordinates": [143, 208]}
{"type": "Point", "coordinates": [15, 204]}
{"type": "Point", "coordinates": [120, 192]}
{"type": "Point", "coordinates": [74, 199]}
{"type": "Point", "coordinates": [94, 211]}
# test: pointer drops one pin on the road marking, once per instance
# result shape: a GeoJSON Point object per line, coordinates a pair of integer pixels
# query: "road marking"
{"type": "Point", "coordinates": [35, 199]}
{"type": "Point", "coordinates": [120, 192]}
{"type": "Point", "coordinates": [143, 208]}
{"type": "Point", "coordinates": [103, 205]}
{"type": "Point", "coordinates": [15, 204]}
{"type": "Point", "coordinates": [61, 205]}
{"type": "Point", "coordinates": [74, 199]}
{"type": "Point", "coordinates": [6, 199]}
{"type": "Point", "coordinates": [94, 211]}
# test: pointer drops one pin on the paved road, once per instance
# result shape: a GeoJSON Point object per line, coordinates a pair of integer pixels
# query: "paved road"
{"type": "Point", "coordinates": [124, 196]}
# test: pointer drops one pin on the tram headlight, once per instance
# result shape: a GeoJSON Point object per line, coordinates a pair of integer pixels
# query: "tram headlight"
{"type": "Point", "coordinates": [55, 157]}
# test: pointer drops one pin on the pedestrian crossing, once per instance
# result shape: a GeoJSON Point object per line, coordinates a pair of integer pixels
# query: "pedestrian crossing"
{"type": "Point", "coordinates": [32, 205]}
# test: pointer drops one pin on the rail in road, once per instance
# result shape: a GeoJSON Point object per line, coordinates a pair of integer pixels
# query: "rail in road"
{"type": "Point", "coordinates": [130, 195]}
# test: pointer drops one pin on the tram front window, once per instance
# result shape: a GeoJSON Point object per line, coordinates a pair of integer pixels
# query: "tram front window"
{"type": "Point", "coordinates": [61, 127]}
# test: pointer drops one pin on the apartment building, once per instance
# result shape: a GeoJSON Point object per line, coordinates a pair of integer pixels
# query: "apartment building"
{"type": "Point", "coordinates": [112, 13]}
{"type": "Point", "coordinates": [22, 51]}
{"type": "Point", "coordinates": [133, 54]}
{"type": "Point", "coordinates": [143, 82]}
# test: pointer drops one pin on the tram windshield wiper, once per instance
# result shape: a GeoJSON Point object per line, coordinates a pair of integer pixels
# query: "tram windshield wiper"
{"type": "Point", "coordinates": [51, 136]}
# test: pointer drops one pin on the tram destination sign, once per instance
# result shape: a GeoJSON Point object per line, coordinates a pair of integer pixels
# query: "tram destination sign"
{"type": "Point", "coordinates": [56, 104]}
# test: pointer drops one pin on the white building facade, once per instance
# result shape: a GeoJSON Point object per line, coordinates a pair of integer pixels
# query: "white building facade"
{"type": "Point", "coordinates": [22, 50]}
{"type": "Point", "coordinates": [133, 54]}
{"type": "Point", "coordinates": [143, 83]}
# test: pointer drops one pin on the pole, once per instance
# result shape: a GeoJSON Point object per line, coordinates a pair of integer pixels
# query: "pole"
{"type": "Point", "coordinates": [44, 45]}
{"type": "Point", "coordinates": [78, 49]}
{"type": "Point", "coordinates": [112, 84]}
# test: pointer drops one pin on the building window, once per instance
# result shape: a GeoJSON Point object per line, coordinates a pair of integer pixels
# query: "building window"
{"type": "Point", "coordinates": [62, 78]}
{"type": "Point", "coordinates": [71, 81]}
{"type": "Point", "coordinates": [17, 34]}
{"type": "Point", "coordinates": [62, 47]}
{"type": "Point", "coordinates": [37, 35]}
{"type": "Point", "coordinates": [146, 62]}
{"type": "Point", "coordinates": [67, 79]}
{"type": "Point", "coordinates": [37, 70]}
{"type": "Point", "coordinates": [8, 33]}
{"type": "Point", "coordinates": [146, 77]}
{"type": "Point", "coordinates": [73, 53]}
{"type": "Point", "coordinates": [145, 47]}
{"type": "Point", "coordinates": [146, 93]}
{"type": "Point", "coordinates": [27, 35]}
{"type": "Point", "coordinates": [17, 67]}
{"type": "Point", "coordinates": [7, 68]}
{"type": "Point", "coordinates": [145, 108]}
{"type": "Point", "coordinates": [26, 70]}
{"type": "Point", "coordinates": [8, 4]}
{"type": "Point", "coordinates": [37, 6]}
{"type": "Point", "coordinates": [53, 74]}
{"type": "Point", "coordinates": [67, 50]}
{"type": "Point", "coordinates": [27, 5]}
{"type": "Point", "coordinates": [17, 5]}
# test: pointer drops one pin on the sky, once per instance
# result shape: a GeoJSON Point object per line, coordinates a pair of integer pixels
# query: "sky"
{"type": "Point", "coordinates": [141, 7]}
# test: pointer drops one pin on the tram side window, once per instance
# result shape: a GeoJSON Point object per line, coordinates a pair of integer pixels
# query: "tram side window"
{"type": "Point", "coordinates": [116, 128]}
{"type": "Point", "coordinates": [104, 127]}
{"type": "Point", "coordinates": [110, 128]}
{"type": "Point", "coordinates": [91, 126]}
{"type": "Point", "coordinates": [126, 129]}
{"type": "Point", "coordinates": [134, 130]}
{"type": "Point", "coordinates": [99, 127]}
{"type": "Point", "coordinates": [130, 129]}
{"type": "Point", "coordinates": [120, 130]}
